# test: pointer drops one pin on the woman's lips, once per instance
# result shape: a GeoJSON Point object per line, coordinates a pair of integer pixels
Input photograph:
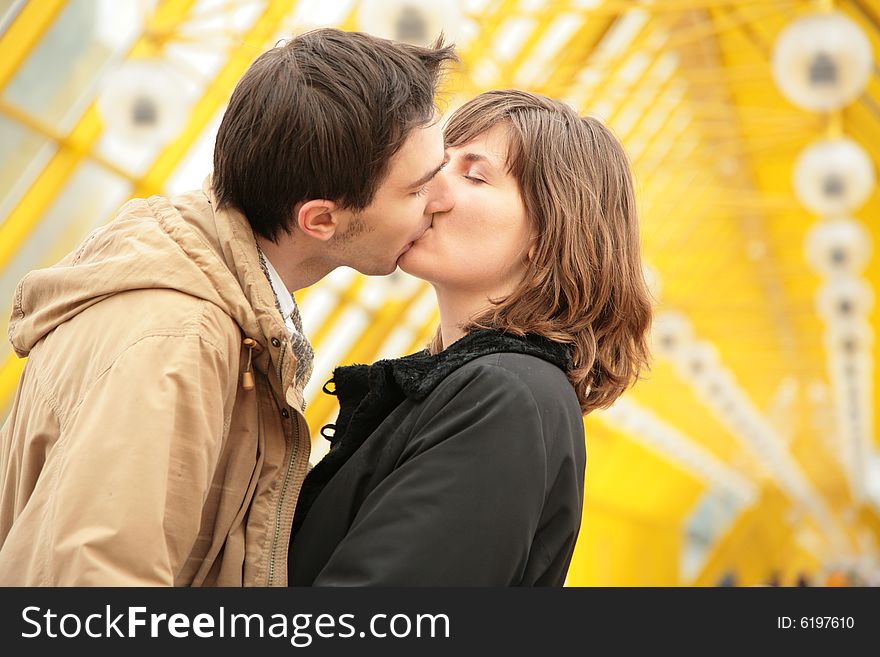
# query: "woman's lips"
{"type": "Point", "coordinates": [418, 239]}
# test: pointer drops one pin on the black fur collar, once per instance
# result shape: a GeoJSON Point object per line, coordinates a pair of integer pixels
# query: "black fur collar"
{"type": "Point", "coordinates": [369, 393]}
{"type": "Point", "coordinates": [418, 374]}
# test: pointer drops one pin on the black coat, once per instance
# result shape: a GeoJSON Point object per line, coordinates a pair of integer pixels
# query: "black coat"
{"type": "Point", "coordinates": [464, 468]}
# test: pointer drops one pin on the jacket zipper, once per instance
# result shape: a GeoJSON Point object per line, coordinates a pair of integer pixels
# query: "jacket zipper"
{"type": "Point", "coordinates": [284, 486]}
{"type": "Point", "coordinates": [281, 353]}
{"type": "Point", "coordinates": [277, 533]}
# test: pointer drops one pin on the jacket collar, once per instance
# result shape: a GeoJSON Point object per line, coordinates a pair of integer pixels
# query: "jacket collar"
{"type": "Point", "coordinates": [417, 375]}
{"type": "Point", "coordinates": [370, 393]}
{"type": "Point", "coordinates": [361, 388]}
{"type": "Point", "coordinates": [367, 390]}
{"type": "Point", "coordinates": [225, 249]}
{"type": "Point", "coordinates": [239, 249]}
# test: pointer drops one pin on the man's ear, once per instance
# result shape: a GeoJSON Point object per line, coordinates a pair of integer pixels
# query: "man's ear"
{"type": "Point", "coordinates": [317, 218]}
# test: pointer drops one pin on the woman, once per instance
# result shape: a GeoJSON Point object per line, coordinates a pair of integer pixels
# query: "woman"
{"type": "Point", "coordinates": [464, 464]}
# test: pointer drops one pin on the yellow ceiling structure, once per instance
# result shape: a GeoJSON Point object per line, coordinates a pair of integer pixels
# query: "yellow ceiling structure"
{"type": "Point", "coordinates": [677, 491]}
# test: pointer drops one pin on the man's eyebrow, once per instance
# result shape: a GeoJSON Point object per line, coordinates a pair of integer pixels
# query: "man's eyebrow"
{"type": "Point", "coordinates": [424, 180]}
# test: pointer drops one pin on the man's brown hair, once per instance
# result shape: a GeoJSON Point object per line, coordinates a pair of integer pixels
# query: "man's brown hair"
{"type": "Point", "coordinates": [320, 117]}
{"type": "Point", "coordinates": [584, 285]}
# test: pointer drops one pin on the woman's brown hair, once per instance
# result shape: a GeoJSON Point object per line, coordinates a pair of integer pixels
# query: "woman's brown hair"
{"type": "Point", "coordinates": [584, 285]}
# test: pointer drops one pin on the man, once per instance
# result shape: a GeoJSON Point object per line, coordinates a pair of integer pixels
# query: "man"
{"type": "Point", "coordinates": [156, 436]}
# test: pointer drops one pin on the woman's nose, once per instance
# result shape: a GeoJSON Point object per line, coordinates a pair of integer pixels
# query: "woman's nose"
{"type": "Point", "coordinates": [441, 199]}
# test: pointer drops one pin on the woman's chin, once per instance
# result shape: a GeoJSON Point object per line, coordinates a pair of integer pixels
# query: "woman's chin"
{"type": "Point", "coordinates": [410, 262]}
{"type": "Point", "coordinates": [405, 262]}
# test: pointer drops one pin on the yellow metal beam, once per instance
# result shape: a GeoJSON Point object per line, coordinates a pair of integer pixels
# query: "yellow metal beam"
{"type": "Point", "coordinates": [323, 407]}
{"type": "Point", "coordinates": [509, 68]}
{"type": "Point", "coordinates": [10, 373]}
{"type": "Point", "coordinates": [72, 149]}
{"type": "Point", "coordinates": [614, 7]}
{"type": "Point", "coordinates": [424, 336]}
{"type": "Point", "coordinates": [490, 18]}
{"type": "Point", "coordinates": [611, 65]}
{"type": "Point", "coordinates": [652, 105]}
{"type": "Point", "coordinates": [47, 186]}
{"type": "Point", "coordinates": [214, 97]}
{"type": "Point", "coordinates": [23, 35]}
{"type": "Point", "coordinates": [348, 296]}
{"type": "Point", "coordinates": [696, 33]}
{"type": "Point", "coordinates": [569, 61]}
{"type": "Point", "coordinates": [757, 544]}
{"type": "Point", "coordinates": [630, 102]}
{"type": "Point", "coordinates": [350, 24]}
{"type": "Point", "coordinates": [39, 127]}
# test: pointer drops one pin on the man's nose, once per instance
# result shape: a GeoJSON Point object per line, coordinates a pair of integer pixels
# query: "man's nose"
{"type": "Point", "coordinates": [440, 197]}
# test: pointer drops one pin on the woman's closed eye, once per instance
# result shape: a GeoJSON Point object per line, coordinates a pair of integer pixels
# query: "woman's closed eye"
{"type": "Point", "coordinates": [474, 180]}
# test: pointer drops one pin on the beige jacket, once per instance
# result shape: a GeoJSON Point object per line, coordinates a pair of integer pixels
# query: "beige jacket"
{"type": "Point", "coordinates": [133, 453]}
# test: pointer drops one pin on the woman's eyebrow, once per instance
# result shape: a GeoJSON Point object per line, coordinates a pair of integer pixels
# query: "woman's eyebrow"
{"type": "Point", "coordinates": [479, 157]}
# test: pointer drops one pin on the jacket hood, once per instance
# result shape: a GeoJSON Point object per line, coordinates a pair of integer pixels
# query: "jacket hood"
{"type": "Point", "coordinates": [181, 244]}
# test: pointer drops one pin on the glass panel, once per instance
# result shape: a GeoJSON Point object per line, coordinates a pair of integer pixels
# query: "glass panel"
{"type": "Point", "coordinates": [9, 10]}
{"type": "Point", "coordinates": [710, 519]}
{"type": "Point", "coordinates": [198, 163]}
{"type": "Point", "coordinates": [88, 200]}
{"type": "Point", "coordinates": [58, 80]}
{"type": "Point", "coordinates": [23, 154]}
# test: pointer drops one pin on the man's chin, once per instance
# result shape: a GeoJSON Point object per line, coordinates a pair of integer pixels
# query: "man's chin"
{"type": "Point", "coordinates": [385, 269]}
{"type": "Point", "coordinates": [377, 269]}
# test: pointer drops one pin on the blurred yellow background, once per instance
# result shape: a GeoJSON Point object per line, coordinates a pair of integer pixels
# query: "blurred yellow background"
{"type": "Point", "coordinates": [748, 454]}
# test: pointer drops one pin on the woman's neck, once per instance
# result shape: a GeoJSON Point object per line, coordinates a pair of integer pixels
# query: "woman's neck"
{"type": "Point", "coordinates": [457, 309]}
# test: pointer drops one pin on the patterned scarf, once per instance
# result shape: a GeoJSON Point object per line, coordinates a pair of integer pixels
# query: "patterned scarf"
{"type": "Point", "coordinates": [302, 348]}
